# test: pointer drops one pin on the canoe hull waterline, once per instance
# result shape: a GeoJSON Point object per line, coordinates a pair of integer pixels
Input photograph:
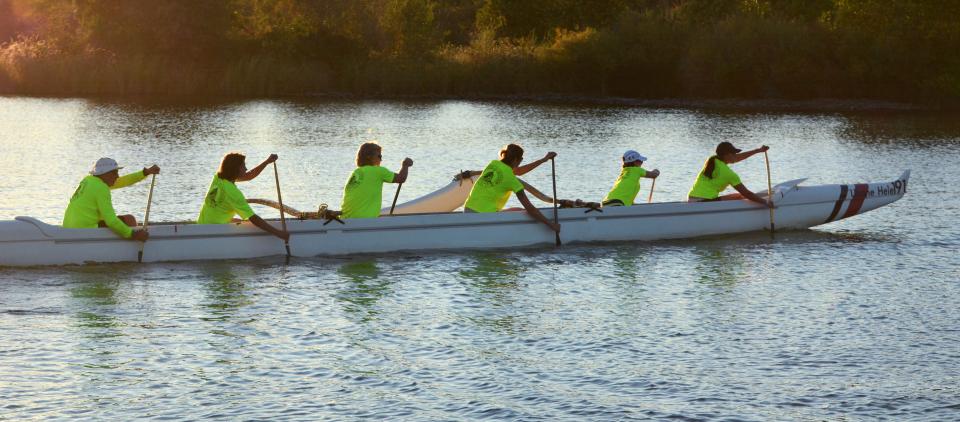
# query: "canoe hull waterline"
{"type": "Point", "coordinates": [26, 241]}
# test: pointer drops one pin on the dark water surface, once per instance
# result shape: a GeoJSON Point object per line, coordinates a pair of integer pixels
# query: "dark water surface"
{"type": "Point", "coordinates": [856, 320]}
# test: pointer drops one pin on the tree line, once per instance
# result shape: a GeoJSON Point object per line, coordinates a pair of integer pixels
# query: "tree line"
{"type": "Point", "coordinates": [791, 49]}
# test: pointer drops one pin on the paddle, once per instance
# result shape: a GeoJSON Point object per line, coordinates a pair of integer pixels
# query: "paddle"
{"type": "Point", "coordinates": [395, 196]}
{"type": "Point", "coordinates": [146, 215]}
{"type": "Point", "coordinates": [556, 218]}
{"type": "Point", "coordinates": [652, 184]}
{"type": "Point", "coordinates": [769, 190]}
{"type": "Point", "coordinates": [283, 219]}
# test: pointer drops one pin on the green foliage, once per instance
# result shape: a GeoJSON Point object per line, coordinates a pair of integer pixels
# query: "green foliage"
{"type": "Point", "coordinates": [903, 49]}
{"type": "Point", "coordinates": [410, 24]}
{"type": "Point", "coordinates": [279, 26]}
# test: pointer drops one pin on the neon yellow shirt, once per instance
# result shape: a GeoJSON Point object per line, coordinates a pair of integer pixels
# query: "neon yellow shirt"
{"type": "Point", "coordinates": [223, 201]}
{"type": "Point", "coordinates": [92, 203]}
{"type": "Point", "coordinates": [627, 186]}
{"type": "Point", "coordinates": [710, 188]}
{"type": "Point", "coordinates": [493, 188]}
{"type": "Point", "coordinates": [363, 194]}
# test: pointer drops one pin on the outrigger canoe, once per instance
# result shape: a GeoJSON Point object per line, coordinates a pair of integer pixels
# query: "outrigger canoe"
{"type": "Point", "coordinates": [429, 223]}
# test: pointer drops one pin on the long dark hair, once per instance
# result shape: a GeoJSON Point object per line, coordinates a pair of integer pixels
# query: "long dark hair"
{"type": "Point", "coordinates": [231, 166]}
{"type": "Point", "coordinates": [710, 166]}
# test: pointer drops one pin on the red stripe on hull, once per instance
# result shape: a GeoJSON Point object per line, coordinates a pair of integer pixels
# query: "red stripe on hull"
{"type": "Point", "coordinates": [859, 194]}
{"type": "Point", "coordinates": [839, 204]}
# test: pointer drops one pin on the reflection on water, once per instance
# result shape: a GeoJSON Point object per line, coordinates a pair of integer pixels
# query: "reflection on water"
{"type": "Point", "coordinates": [363, 289]}
{"type": "Point", "coordinates": [95, 295]}
{"type": "Point", "coordinates": [630, 264]}
{"type": "Point", "coordinates": [720, 267]}
{"type": "Point", "coordinates": [919, 130]}
{"type": "Point", "coordinates": [494, 279]}
{"type": "Point", "coordinates": [493, 272]}
{"type": "Point", "coordinates": [102, 328]}
{"type": "Point", "coordinates": [225, 292]}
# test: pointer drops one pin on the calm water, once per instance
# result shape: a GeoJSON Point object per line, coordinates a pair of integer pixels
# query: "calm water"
{"type": "Point", "coordinates": [850, 321]}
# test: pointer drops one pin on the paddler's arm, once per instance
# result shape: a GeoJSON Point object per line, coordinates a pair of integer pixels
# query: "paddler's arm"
{"type": "Point", "coordinates": [747, 154]}
{"type": "Point", "coordinates": [263, 225]}
{"type": "Point", "coordinates": [136, 177]}
{"type": "Point", "coordinates": [535, 213]}
{"type": "Point", "coordinates": [526, 168]}
{"type": "Point", "coordinates": [254, 172]}
{"type": "Point", "coordinates": [747, 193]}
{"type": "Point", "coordinates": [652, 174]}
{"type": "Point", "coordinates": [110, 218]}
{"type": "Point", "coordinates": [402, 176]}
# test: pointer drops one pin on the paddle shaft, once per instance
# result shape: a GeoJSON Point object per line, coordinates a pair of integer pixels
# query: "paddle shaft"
{"type": "Point", "coordinates": [395, 196]}
{"type": "Point", "coordinates": [283, 218]}
{"type": "Point", "coordinates": [766, 158]}
{"type": "Point", "coordinates": [146, 215]}
{"type": "Point", "coordinates": [652, 184]}
{"type": "Point", "coordinates": [556, 216]}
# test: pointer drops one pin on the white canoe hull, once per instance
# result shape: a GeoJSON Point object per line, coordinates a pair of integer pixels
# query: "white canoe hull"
{"type": "Point", "coordinates": [26, 241]}
{"type": "Point", "coordinates": [445, 199]}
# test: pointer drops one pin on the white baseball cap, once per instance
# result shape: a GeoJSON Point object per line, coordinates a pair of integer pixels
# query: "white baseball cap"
{"type": "Point", "coordinates": [631, 156]}
{"type": "Point", "coordinates": [104, 165]}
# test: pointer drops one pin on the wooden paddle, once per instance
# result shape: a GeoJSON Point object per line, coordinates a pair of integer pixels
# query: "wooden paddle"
{"type": "Point", "coordinates": [769, 190]}
{"type": "Point", "coordinates": [146, 215]}
{"type": "Point", "coordinates": [283, 218]}
{"type": "Point", "coordinates": [652, 184]}
{"type": "Point", "coordinates": [395, 196]}
{"type": "Point", "coordinates": [556, 218]}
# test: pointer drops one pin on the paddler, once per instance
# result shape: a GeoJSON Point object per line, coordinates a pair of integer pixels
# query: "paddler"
{"type": "Point", "coordinates": [716, 176]}
{"type": "Point", "coordinates": [492, 189]}
{"type": "Point", "coordinates": [91, 205]}
{"type": "Point", "coordinates": [224, 200]}
{"type": "Point", "coordinates": [363, 192]}
{"type": "Point", "coordinates": [627, 187]}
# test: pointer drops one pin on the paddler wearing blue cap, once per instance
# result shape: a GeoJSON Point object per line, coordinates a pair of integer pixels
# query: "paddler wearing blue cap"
{"type": "Point", "coordinates": [627, 186]}
{"type": "Point", "coordinates": [91, 205]}
{"type": "Point", "coordinates": [716, 176]}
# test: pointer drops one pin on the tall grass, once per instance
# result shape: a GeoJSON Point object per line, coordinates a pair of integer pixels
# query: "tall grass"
{"type": "Point", "coordinates": [33, 67]}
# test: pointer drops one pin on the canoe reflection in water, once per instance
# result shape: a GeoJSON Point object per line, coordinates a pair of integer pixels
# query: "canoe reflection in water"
{"type": "Point", "coordinates": [225, 292]}
{"type": "Point", "coordinates": [363, 287]}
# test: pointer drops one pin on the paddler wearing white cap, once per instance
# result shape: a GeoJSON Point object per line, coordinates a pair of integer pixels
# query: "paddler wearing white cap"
{"type": "Point", "coordinates": [627, 186]}
{"type": "Point", "coordinates": [91, 205]}
{"type": "Point", "coordinates": [717, 176]}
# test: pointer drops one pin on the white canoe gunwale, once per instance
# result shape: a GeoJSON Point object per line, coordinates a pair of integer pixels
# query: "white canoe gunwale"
{"type": "Point", "coordinates": [27, 241]}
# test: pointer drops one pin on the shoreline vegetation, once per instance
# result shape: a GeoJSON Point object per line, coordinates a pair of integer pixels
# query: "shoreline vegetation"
{"type": "Point", "coordinates": [866, 54]}
{"type": "Point", "coordinates": [818, 105]}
